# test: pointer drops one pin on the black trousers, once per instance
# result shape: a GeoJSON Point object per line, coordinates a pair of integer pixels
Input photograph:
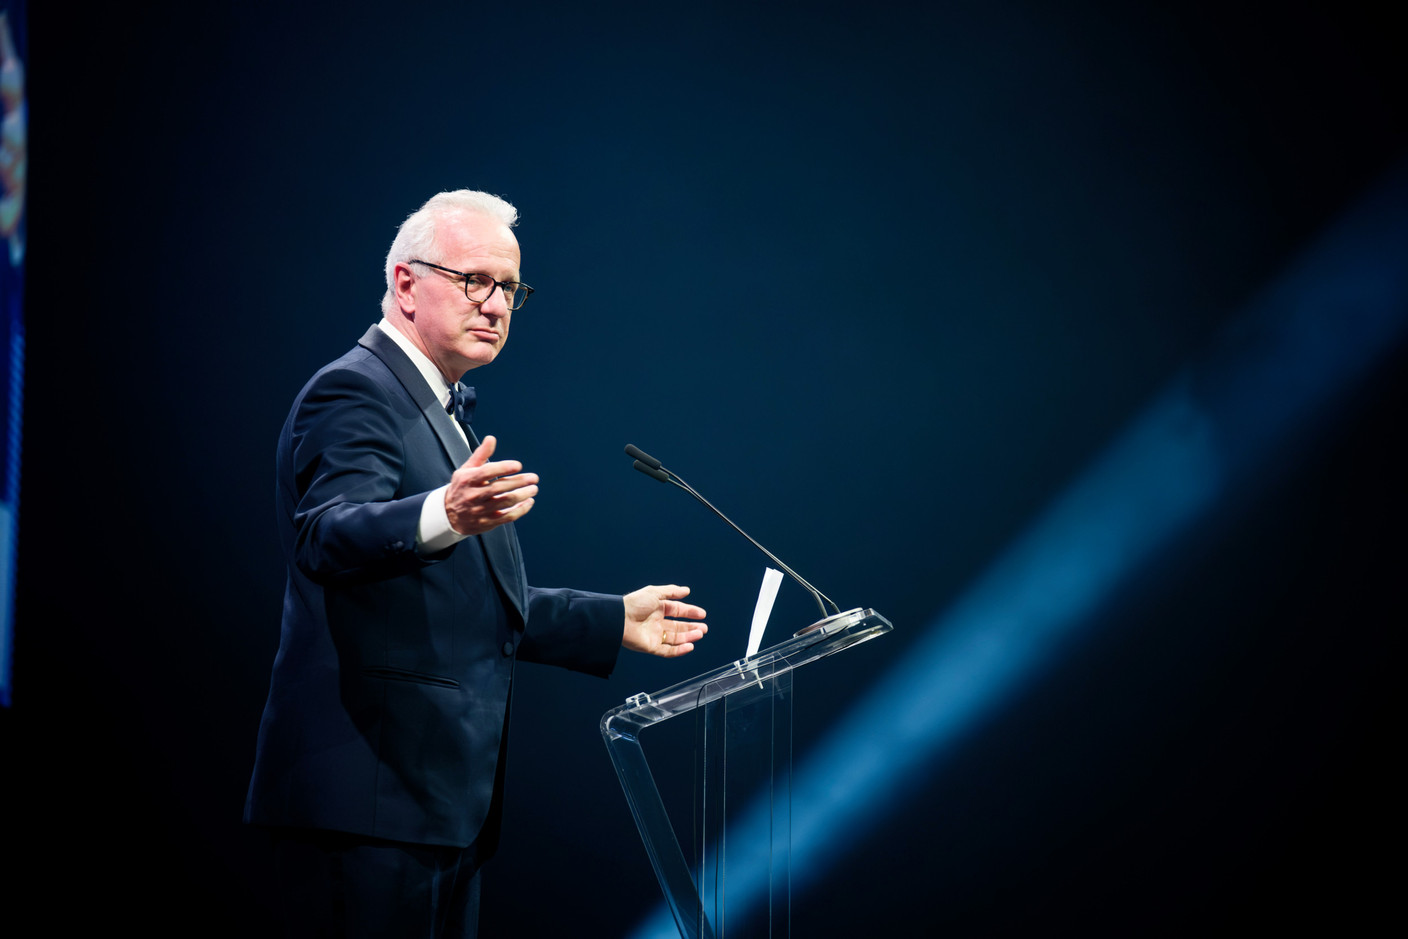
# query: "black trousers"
{"type": "Point", "coordinates": [339, 886]}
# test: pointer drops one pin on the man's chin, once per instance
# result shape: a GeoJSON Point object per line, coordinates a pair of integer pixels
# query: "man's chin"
{"type": "Point", "coordinates": [480, 357]}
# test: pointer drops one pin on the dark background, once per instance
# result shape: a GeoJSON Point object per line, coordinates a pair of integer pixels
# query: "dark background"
{"type": "Point", "coordinates": [879, 278]}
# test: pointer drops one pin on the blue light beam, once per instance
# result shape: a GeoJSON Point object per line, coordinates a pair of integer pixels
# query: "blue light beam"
{"type": "Point", "coordinates": [1263, 394]}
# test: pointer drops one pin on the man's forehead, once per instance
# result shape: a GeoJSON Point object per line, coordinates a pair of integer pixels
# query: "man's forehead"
{"type": "Point", "coordinates": [475, 227]}
{"type": "Point", "coordinates": [475, 235]}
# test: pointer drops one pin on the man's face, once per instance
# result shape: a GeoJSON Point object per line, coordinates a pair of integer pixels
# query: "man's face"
{"type": "Point", "coordinates": [454, 332]}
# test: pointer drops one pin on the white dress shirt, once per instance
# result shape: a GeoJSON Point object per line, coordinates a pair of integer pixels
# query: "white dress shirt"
{"type": "Point", "coordinates": [434, 532]}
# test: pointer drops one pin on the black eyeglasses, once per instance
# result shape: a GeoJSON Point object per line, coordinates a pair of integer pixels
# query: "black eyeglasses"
{"type": "Point", "coordinates": [480, 287]}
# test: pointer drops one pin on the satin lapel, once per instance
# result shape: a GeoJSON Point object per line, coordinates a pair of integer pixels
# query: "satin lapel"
{"type": "Point", "coordinates": [500, 544]}
{"type": "Point", "coordinates": [504, 554]}
{"type": "Point", "coordinates": [385, 348]}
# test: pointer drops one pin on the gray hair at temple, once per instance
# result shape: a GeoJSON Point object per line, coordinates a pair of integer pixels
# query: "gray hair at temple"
{"type": "Point", "coordinates": [416, 236]}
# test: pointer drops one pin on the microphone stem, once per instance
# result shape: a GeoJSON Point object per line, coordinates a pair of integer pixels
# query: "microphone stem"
{"type": "Point", "coordinates": [816, 594]}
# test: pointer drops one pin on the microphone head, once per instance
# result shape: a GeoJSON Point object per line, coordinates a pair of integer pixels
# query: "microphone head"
{"type": "Point", "coordinates": [651, 471]}
{"type": "Point", "coordinates": [641, 456]}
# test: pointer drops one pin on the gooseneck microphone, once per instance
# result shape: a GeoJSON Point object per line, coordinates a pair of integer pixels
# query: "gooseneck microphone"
{"type": "Point", "coordinates": [653, 468]}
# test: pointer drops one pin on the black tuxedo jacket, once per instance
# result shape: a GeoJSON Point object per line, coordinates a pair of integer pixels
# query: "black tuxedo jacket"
{"type": "Point", "coordinates": [388, 705]}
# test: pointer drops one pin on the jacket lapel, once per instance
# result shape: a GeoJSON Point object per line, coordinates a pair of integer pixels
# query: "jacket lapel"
{"type": "Point", "coordinates": [385, 348]}
{"type": "Point", "coordinates": [500, 544]}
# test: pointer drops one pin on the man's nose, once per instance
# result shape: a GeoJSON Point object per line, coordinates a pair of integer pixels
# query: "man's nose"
{"type": "Point", "coordinates": [495, 305]}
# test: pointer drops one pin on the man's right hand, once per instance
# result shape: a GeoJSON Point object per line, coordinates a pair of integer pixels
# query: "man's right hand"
{"type": "Point", "coordinates": [484, 495]}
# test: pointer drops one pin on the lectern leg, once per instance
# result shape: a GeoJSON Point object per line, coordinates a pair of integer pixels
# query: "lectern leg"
{"type": "Point", "coordinates": [744, 813]}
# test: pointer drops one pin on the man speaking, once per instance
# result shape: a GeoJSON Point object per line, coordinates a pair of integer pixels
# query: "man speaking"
{"type": "Point", "coordinates": [380, 762]}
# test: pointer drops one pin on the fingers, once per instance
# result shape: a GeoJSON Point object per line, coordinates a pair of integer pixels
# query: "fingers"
{"type": "Point", "coordinates": [682, 640]}
{"type": "Point", "coordinates": [490, 492]}
{"type": "Point", "coordinates": [669, 652]}
{"type": "Point", "coordinates": [670, 591]}
{"type": "Point", "coordinates": [675, 642]}
{"type": "Point", "coordinates": [481, 453]}
{"type": "Point", "coordinates": [679, 638]}
{"type": "Point", "coordinates": [516, 512]}
{"type": "Point", "coordinates": [486, 483]}
{"type": "Point", "coordinates": [669, 595]}
{"type": "Point", "coordinates": [501, 476]}
{"type": "Point", "coordinates": [476, 511]}
{"type": "Point", "coordinates": [501, 502]}
{"type": "Point", "coordinates": [682, 610]}
{"type": "Point", "coordinates": [484, 494]}
{"type": "Point", "coordinates": [501, 493]}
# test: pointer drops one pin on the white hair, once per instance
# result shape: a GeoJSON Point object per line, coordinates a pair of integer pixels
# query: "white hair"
{"type": "Point", "coordinates": [416, 236]}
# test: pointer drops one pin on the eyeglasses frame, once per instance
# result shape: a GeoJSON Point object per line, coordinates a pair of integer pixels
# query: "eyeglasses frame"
{"type": "Point", "coordinates": [508, 294]}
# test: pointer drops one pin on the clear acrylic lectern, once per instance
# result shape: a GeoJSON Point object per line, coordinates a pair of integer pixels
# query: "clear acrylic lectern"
{"type": "Point", "coordinates": [735, 881]}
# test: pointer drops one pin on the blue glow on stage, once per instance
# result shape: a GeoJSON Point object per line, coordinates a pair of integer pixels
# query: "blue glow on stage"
{"type": "Point", "coordinates": [1219, 434]}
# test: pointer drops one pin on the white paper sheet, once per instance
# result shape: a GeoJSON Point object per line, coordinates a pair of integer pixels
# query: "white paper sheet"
{"type": "Point", "coordinates": [766, 595]}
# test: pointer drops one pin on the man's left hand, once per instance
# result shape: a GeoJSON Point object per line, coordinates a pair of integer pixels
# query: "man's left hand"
{"type": "Point", "coordinates": [653, 621]}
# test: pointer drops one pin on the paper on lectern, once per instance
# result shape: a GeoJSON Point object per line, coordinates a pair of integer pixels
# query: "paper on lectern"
{"type": "Point", "coordinates": [766, 595]}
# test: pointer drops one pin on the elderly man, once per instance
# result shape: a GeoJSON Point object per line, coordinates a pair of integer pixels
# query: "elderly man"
{"type": "Point", "coordinates": [380, 762]}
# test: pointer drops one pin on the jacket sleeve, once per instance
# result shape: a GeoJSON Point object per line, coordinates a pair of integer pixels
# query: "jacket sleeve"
{"type": "Point", "coordinates": [343, 476]}
{"type": "Point", "coordinates": [573, 629]}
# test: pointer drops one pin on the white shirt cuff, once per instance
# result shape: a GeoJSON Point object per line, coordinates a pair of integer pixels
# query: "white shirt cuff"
{"type": "Point", "coordinates": [434, 533]}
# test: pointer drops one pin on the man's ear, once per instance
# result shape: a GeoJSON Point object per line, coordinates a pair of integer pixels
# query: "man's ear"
{"type": "Point", "coordinates": [404, 283]}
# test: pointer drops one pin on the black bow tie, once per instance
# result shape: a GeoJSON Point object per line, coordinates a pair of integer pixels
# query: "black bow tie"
{"type": "Point", "coordinates": [461, 403]}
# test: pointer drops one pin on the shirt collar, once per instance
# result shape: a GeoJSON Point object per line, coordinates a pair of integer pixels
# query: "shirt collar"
{"type": "Point", "coordinates": [422, 362]}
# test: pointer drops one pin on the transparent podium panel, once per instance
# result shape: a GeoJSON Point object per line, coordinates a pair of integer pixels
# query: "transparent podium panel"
{"type": "Point", "coordinates": [745, 802]}
{"type": "Point", "coordinates": [729, 876]}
